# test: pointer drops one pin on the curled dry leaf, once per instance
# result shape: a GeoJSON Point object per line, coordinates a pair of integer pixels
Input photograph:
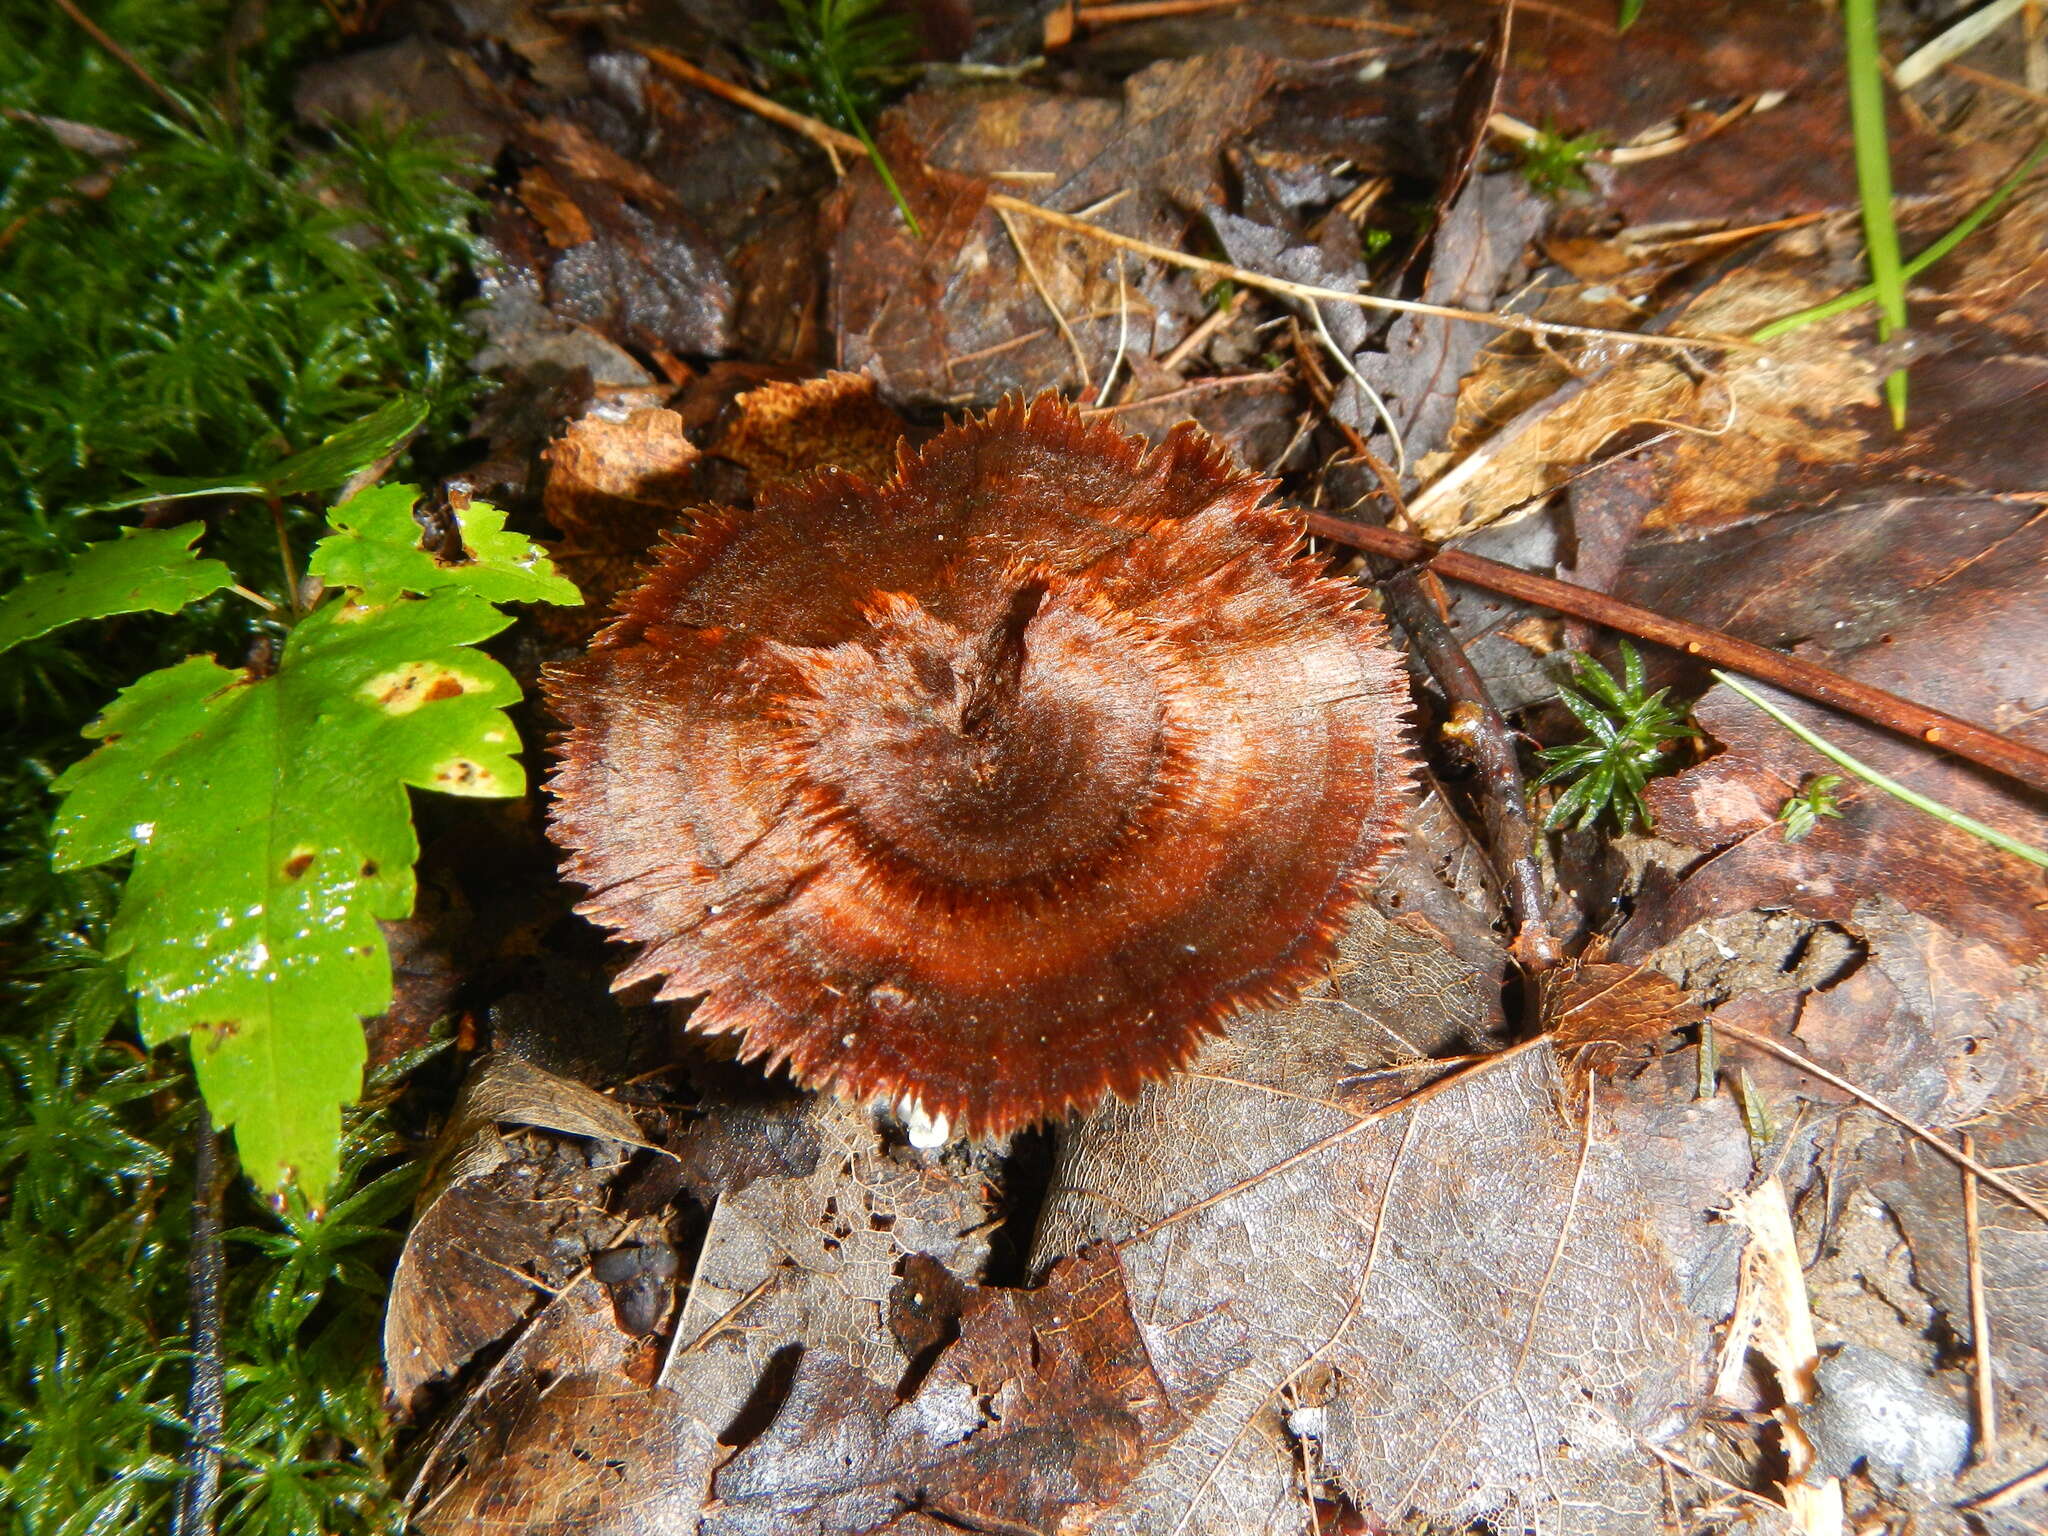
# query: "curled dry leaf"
{"type": "Point", "coordinates": [998, 786]}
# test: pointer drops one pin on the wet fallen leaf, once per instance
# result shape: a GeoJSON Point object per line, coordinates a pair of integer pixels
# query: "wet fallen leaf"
{"type": "Point", "coordinates": [1926, 1197]}
{"type": "Point", "coordinates": [566, 1438]}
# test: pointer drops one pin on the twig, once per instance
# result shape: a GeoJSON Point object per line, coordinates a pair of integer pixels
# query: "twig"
{"type": "Point", "coordinates": [123, 57]}
{"type": "Point", "coordinates": [1415, 1100]}
{"type": "Point", "coordinates": [1996, 83]}
{"type": "Point", "coordinates": [1682, 1465]}
{"type": "Point", "coordinates": [675, 64]}
{"type": "Point", "coordinates": [284, 555]}
{"type": "Point", "coordinates": [206, 1402]}
{"type": "Point", "coordinates": [1984, 1388]}
{"type": "Point", "coordinates": [1123, 334]}
{"type": "Point", "coordinates": [1956, 1155]}
{"type": "Point", "coordinates": [1213, 322]}
{"type": "Point", "coordinates": [1526, 324]}
{"type": "Point", "coordinates": [1988, 749]}
{"type": "Point", "coordinates": [2011, 1493]}
{"type": "Point", "coordinates": [255, 597]}
{"type": "Point", "coordinates": [1477, 723]}
{"type": "Point", "coordinates": [1207, 386]}
{"type": "Point", "coordinates": [1090, 16]}
{"type": "Point", "coordinates": [1953, 42]}
{"type": "Point", "coordinates": [1474, 720]}
{"type": "Point", "coordinates": [725, 1321]}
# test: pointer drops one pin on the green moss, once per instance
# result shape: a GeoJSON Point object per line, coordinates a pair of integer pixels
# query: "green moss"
{"type": "Point", "coordinates": [219, 291]}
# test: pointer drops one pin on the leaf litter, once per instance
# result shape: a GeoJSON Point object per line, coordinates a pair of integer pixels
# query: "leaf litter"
{"type": "Point", "coordinates": [1314, 1294]}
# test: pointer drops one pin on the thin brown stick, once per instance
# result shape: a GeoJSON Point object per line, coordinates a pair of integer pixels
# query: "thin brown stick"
{"type": "Point", "coordinates": [1988, 749]}
{"type": "Point", "coordinates": [1984, 1388]}
{"type": "Point", "coordinates": [1091, 16]}
{"type": "Point", "coordinates": [123, 57]}
{"type": "Point", "coordinates": [1216, 319]}
{"type": "Point", "coordinates": [1869, 1100]}
{"type": "Point", "coordinates": [2011, 1493]}
{"type": "Point", "coordinates": [725, 1321]}
{"type": "Point", "coordinates": [284, 556]}
{"type": "Point", "coordinates": [1477, 723]}
{"type": "Point", "coordinates": [1415, 1100]}
{"type": "Point", "coordinates": [822, 134]}
{"type": "Point", "coordinates": [1207, 386]}
{"type": "Point", "coordinates": [1350, 23]}
{"type": "Point", "coordinates": [1678, 1463]}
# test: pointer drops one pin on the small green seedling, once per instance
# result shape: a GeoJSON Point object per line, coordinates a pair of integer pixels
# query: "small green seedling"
{"type": "Point", "coordinates": [1628, 741]}
{"type": "Point", "coordinates": [1554, 165]}
{"type": "Point", "coordinates": [1802, 813]}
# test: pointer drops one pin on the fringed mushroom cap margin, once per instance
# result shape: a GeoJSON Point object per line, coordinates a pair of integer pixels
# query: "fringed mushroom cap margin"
{"type": "Point", "coordinates": [997, 787]}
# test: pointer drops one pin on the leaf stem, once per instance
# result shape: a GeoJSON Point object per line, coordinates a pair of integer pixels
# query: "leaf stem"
{"type": "Point", "coordinates": [206, 1403]}
{"type": "Point", "coordinates": [1890, 786]}
{"type": "Point", "coordinates": [284, 555]}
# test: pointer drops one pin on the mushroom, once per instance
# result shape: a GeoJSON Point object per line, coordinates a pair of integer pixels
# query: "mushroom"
{"type": "Point", "coordinates": [991, 789]}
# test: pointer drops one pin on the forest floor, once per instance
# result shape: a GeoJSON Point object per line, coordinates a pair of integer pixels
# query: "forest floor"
{"type": "Point", "coordinates": [1680, 1166]}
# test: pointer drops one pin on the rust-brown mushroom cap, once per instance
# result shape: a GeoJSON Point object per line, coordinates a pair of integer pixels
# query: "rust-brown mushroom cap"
{"type": "Point", "coordinates": [996, 787]}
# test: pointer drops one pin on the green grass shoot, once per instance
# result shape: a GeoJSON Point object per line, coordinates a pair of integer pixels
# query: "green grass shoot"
{"type": "Point", "coordinates": [1964, 227]}
{"type": "Point", "coordinates": [1874, 184]}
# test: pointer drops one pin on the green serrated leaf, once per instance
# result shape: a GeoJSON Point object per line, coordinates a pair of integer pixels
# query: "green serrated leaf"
{"type": "Point", "coordinates": [377, 550]}
{"type": "Point", "coordinates": [150, 568]}
{"type": "Point", "coordinates": [272, 833]}
{"type": "Point", "coordinates": [322, 467]}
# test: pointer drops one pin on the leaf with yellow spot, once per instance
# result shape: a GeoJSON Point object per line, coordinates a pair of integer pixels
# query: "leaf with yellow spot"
{"type": "Point", "coordinates": [272, 833]}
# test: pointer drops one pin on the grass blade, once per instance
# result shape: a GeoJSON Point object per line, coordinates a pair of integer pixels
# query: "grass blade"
{"type": "Point", "coordinates": [1965, 227]}
{"type": "Point", "coordinates": [1874, 183]}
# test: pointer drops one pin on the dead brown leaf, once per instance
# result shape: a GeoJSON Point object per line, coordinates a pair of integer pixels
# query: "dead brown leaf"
{"type": "Point", "coordinates": [1463, 1291]}
{"type": "Point", "coordinates": [1926, 1196]}
{"type": "Point", "coordinates": [566, 1438]}
{"type": "Point", "coordinates": [615, 481]}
